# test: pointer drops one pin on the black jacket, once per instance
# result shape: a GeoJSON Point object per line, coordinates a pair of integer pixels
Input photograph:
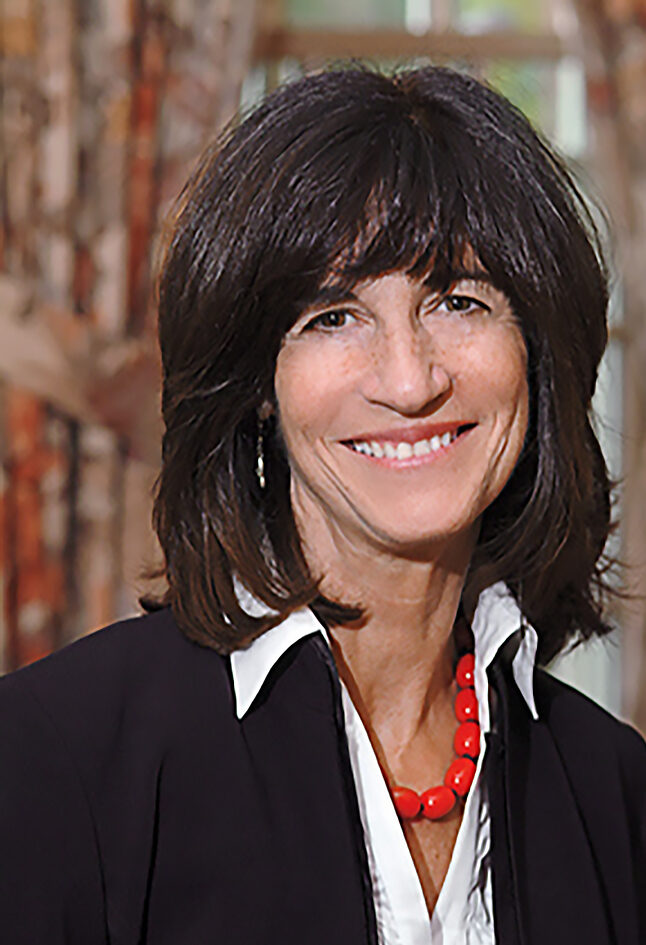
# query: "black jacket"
{"type": "Point", "coordinates": [135, 809]}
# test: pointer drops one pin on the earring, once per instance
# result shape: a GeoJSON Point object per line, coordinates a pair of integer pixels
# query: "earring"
{"type": "Point", "coordinates": [260, 459]}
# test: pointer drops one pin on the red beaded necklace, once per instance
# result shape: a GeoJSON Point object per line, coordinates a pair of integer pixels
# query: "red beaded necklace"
{"type": "Point", "coordinates": [437, 801]}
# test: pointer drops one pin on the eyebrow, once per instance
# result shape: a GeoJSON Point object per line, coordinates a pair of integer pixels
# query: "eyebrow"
{"type": "Point", "coordinates": [330, 295]}
{"type": "Point", "coordinates": [334, 294]}
{"type": "Point", "coordinates": [462, 274]}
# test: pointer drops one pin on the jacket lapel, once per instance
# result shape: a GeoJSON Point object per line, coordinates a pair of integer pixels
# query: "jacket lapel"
{"type": "Point", "coordinates": [301, 800]}
{"type": "Point", "coordinates": [546, 885]}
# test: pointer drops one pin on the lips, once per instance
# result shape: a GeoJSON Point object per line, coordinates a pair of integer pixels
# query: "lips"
{"type": "Point", "coordinates": [409, 443]}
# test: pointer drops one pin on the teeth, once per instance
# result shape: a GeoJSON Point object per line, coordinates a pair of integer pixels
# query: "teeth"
{"type": "Point", "coordinates": [403, 450]}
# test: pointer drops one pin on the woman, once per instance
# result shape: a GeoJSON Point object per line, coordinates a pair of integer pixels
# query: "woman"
{"type": "Point", "coordinates": [382, 310]}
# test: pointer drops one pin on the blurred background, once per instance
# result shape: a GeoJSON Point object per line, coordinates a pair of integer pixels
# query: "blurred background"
{"type": "Point", "coordinates": [104, 105]}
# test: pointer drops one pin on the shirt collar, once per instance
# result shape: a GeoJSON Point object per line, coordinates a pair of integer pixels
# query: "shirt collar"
{"type": "Point", "coordinates": [496, 619]}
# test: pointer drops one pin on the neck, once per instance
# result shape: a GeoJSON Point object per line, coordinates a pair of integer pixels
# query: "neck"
{"type": "Point", "coordinates": [397, 660]}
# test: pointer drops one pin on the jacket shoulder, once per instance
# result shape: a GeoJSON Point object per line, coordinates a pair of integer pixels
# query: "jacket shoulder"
{"type": "Point", "coordinates": [602, 754]}
{"type": "Point", "coordinates": [140, 636]}
{"type": "Point", "coordinates": [573, 716]}
{"type": "Point", "coordinates": [85, 735]}
{"type": "Point", "coordinates": [140, 676]}
{"type": "Point", "coordinates": [144, 649]}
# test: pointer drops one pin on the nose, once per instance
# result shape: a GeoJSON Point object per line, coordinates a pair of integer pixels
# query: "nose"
{"type": "Point", "coordinates": [409, 374]}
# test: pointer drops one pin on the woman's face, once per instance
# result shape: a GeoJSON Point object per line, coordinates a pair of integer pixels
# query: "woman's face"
{"type": "Point", "coordinates": [403, 410]}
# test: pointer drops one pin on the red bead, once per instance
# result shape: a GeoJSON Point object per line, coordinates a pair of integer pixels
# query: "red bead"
{"type": "Point", "coordinates": [465, 671]}
{"type": "Point", "coordinates": [466, 706]}
{"type": "Point", "coordinates": [407, 802]}
{"type": "Point", "coordinates": [437, 802]}
{"type": "Point", "coordinates": [459, 776]}
{"type": "Point", "coordinates": [467, 739]}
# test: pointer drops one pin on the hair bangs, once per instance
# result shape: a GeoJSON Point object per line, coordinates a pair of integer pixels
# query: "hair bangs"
{"type": "Point", "coordinates": [431, 204]}
{"type": "Point", "coordinates": [409, 213]}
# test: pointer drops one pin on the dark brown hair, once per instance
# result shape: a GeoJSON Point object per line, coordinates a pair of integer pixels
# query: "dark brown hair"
{"type": "Point", "coordinates": [441, 163]}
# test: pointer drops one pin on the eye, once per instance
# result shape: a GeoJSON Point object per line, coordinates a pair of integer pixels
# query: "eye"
{"type": "Point", "coordinates": [462, 304]}
{"type": "Point", "coordinates": [329, 321]}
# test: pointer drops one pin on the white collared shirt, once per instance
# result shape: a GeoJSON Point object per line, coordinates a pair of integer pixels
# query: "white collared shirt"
{"type": "Point", "coordinates": [463, 914]}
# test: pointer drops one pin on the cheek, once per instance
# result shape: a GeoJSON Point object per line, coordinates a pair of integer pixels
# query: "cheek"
{"type": "Point", "coordinates": [311, 393]}
{"type": "Point", "coordinates": [511, 393]}
{"type": "Point", "coordinates": [513, 376]}
{"type": "Point", "coordinates": [510, 390]}
{"type": "Point", "coordinates": [293, 394]}
{"type": "Point", "coordinates": [499, 380]}
{"type": "Point", "coordinates": [503, 359]}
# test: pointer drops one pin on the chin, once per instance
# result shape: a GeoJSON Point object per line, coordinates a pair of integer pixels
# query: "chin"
{"type": "Point", "coordinates": [408, 539]}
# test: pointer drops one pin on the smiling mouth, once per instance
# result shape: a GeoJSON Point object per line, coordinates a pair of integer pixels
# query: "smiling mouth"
{"type": "Point", "coordinates": [403, 450]}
